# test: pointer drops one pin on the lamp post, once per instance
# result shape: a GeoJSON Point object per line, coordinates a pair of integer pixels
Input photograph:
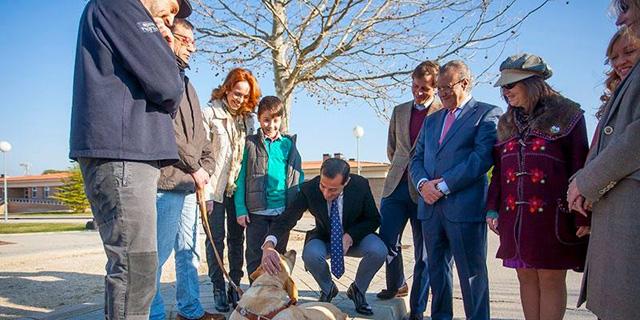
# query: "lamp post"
{"type": "Point", "coordinates": [358, 132]}
{"type": "Point", "coordinates": [5, 147]}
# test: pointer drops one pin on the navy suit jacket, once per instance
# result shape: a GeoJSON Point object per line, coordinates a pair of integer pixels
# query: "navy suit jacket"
{"type": "Point", "coordinates": [462, 160]}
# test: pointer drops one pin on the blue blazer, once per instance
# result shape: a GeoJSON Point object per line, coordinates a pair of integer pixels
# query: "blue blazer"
{"type": "Point", "coordinates": [462, 160]}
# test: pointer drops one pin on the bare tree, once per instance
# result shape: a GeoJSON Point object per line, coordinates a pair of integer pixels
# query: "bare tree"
{"type": "Point", "coordinates": [340, 51]}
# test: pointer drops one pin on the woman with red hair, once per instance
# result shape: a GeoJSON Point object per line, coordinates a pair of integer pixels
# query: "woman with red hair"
{"type": "Point", "coordinates": [228, 120]}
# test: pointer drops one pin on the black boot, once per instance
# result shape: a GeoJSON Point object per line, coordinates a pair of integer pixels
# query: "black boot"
{"type": "Point", "coordinates": [220, 300]}
{"type": "Point", "coordinates": [232, 296]}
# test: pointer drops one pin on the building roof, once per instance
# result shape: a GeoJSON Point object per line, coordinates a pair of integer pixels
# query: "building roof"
{"type": "Point", "coordinates": [40, 177]}
{"type": "Point", "coordinates": [315, 164]}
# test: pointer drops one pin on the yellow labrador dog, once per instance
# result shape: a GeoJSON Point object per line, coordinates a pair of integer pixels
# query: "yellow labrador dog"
{"type": "Point", "coordinates": [275, 298]}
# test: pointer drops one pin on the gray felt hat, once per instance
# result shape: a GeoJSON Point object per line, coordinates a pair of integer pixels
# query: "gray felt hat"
{"type": "Point", "coordinates": [521, 66]}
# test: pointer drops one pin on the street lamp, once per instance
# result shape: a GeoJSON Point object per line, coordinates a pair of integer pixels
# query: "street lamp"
{"type": "Point", "coordinates": [358, 132]}
{"type": "Point", "coordinates": [5, 147]}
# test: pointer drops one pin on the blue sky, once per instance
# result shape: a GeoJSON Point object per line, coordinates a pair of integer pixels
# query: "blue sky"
{"type": "Point", "coordinates": [38, 47]}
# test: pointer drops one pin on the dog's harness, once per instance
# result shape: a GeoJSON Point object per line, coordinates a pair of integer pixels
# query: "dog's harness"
{"type": "Point", "coordinates": [254, 316]}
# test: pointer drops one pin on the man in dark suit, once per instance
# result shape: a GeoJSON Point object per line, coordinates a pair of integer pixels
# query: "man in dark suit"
{"type": "Point", "coordinates": [346, 220]}
{"type": "Point", "coordinates": [449, 166]}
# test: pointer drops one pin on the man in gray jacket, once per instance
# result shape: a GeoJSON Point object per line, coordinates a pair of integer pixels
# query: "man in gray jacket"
{"type": "Point", "coordinates": [176, 200]}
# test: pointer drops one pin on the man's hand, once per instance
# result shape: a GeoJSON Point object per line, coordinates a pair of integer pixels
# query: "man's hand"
{"type": "Point", "coordinates": [429, 192]}
{"type": "Point", "coordinates": [164, 31]}
{"type": "Point", "coordinates": [201, 178]}
{"type": "Point", "coordinates": [347, 242]}
{"type": "Point", "coordinates": [493, 225]}
{"type": "Point", "coordinates": [583, 231]}
{"type": "Point", "coordinates": [575, 199]}
{"type": "Point", "coordinates": [244, 221]}
{"type": "Point", "coordinates": [270, 259]}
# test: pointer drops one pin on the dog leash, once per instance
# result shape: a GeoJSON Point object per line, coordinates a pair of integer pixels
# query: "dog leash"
{"type": "Point", "coordinates": [205, 223]}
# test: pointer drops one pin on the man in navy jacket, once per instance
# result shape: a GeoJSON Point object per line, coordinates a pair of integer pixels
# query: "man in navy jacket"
{"type": "Point", "coordinates": [126, 87]}
{"type": "Point", "coordinates": [449, 166]}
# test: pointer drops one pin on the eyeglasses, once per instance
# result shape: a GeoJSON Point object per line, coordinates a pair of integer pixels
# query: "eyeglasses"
{"type": "Point", "coordinates": [448, 89]}
{"type": "Point", "coordinates": [184, 39]}
{"type": "Point", "coordinates": [509, 86]}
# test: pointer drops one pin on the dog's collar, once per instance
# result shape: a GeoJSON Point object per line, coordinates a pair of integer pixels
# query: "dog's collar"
{"type": "Point", "coordinates": [253, 316]}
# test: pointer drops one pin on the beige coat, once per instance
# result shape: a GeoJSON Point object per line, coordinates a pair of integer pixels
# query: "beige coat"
{"type": "Point", "coordinates": [399, 147]}
{"type": "Point", "coordinates": [611, 180]}
{"type": "Point", "coordinates": [221, 129]}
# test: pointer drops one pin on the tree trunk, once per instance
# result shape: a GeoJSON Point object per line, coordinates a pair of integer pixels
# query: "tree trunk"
{"type": "Point", "coordinates": [281, 70]}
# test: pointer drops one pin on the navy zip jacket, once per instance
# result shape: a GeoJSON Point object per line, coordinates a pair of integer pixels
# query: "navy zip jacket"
{"type": "Point", "coordinates": [126, 85]}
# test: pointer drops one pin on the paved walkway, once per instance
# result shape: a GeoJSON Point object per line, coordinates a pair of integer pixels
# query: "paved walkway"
{"type": "Point", "coordinates": [503, 284]}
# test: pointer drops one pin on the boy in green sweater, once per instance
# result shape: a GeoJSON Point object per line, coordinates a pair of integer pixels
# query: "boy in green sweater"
{"type": "Point", "coordinates": [268, 180]}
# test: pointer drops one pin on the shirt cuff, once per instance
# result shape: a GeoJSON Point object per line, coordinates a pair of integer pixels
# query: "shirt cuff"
{"type": "Point", "coordinates": [271, 238]}
{"type": "Point", "coordinates": [420, 182]}
{"type": "Point", "coordinates": [442, 186]}
{"type": "Point", "coordinates": [493, 214]}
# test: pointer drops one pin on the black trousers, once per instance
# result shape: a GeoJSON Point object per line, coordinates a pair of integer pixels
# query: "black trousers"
{"type": "Point", "coordinates": [257, 230]}
{"type": "Point", "coordinates": [220, 213]}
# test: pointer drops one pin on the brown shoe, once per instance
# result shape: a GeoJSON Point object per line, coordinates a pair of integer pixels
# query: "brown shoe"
{"type": "Point", "coordinates": [386, 294]}
{"type": "Point", "coordinates": [206, 316]}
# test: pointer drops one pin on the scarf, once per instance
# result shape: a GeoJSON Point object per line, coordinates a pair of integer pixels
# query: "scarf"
{"type": "Point", "coordinates": [238, 135]}
{"type": "Point", "coordinates": [523, 120]}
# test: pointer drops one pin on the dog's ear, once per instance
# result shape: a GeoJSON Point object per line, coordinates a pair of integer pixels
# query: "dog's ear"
{"type": "Point", "coordinates": [290, 258]}
{"type": "Point", "coordinates": [291, 289]}
{"type": "Point", "coordinates": [256, 273]}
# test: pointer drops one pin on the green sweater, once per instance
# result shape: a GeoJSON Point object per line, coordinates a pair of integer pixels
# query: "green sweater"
{"type": "Point", "coordinates": [276, 182]}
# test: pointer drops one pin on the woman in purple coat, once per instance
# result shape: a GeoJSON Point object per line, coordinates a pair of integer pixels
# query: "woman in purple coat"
{"type": "Point", "coordinates": [542, 142]}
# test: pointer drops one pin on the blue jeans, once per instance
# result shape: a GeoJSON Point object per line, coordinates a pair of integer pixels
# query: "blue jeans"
{"type": "Point", "coordinates": [371, 249]}
{"type": "Point", "coordinates": [177, 230]}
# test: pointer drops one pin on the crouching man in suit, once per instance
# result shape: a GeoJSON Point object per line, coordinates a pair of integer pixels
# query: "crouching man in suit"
{"type": "Point", "coordinates": [346, 219]}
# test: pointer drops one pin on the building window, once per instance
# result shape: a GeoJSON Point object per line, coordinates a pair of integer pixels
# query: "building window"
{"type": "Point", "coordinates": [47, 190]}
{"type": "Point", "coordinates": [34, 192]}
{"type": "Point", "coordinates": [26, 192]}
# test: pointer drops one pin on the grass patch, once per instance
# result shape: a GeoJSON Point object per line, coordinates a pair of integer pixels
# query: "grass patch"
{"type": "Point", "coordinates": [52, 214]}
{"type": "Point", "coordinates": [39, 227]}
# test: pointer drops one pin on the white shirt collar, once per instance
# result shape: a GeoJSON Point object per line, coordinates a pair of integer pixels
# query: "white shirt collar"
{"type": "Point", "coordinates": [425, 105]}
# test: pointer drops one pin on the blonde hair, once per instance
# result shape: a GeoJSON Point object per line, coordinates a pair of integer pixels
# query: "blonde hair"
{"type": "Point", "coordinates": [613, 79]}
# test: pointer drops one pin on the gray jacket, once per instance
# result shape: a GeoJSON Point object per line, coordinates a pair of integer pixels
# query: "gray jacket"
{"type": "Point", "coordinates": [255, 196]}
{"type": "Point", "coordinates": [399, 147]}
{"type": "Point", "coordinates": [611, 180]}
{"type": "Point", "coordinates": [194, 149]}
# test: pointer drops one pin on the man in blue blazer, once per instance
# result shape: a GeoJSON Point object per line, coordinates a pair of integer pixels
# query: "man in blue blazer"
{"type": "Point", "coordinates": [451, 159]}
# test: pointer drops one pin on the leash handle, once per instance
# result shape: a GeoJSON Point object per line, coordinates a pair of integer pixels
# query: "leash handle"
{"type": "Point", "coordinates": [207, 229]}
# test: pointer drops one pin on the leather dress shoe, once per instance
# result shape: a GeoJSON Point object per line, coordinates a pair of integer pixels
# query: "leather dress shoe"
{"type": "Point", "coordinates": [220, 300]}
{"type": "Point", "coordinates": [387, 294]}
{"type": "Point", "coordinates": [413, 317]}
{"type": "Point", "coordinates": [359, 300]}
{"type": "Point", "coordinates": [206, 316]}
{"type": "Point", "coordinates": [332, 294]}
{"type": "Point", "coordinates": [232, 297]}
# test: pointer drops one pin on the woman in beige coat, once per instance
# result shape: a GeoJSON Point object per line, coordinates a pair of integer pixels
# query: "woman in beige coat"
{"type": "Point", "coordinates": [610, 183]}
{"type": "Point", "coordinates": [228, 120]}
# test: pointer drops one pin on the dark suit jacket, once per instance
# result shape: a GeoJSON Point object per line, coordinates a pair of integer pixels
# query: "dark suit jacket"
{"type": "Point", "coordinates": [360, 215]}
{"type": "Point", "coordinates": [462, 160]}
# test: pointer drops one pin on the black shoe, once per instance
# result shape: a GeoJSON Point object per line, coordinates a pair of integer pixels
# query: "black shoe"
{"type": "Point", "coordinates": [332, 294]}
{"type": "Point", "coordinates": [220, 300]}
{"type": "Point", "coordinates": [387, 294]}
{"type": "Point", "coordinates": [359, 300]}
{"type": "Point", "coordinates": [232, 296]}
{"type": "Point", "coordinates": [412, 316]}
